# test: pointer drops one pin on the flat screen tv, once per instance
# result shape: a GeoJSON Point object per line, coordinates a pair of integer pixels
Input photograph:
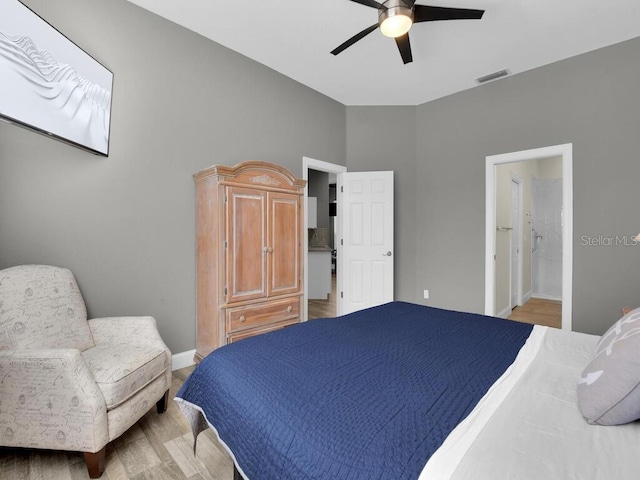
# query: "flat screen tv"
{"type": "Point", "coordinates": [49, 84]}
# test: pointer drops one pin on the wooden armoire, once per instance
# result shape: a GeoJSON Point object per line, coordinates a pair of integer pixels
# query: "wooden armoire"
{"type": "Point", "coordinates": [248, 252]}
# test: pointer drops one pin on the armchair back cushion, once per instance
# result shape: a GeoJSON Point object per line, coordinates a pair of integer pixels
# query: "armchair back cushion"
{"type": "Point", "coordinates": [41, 307]}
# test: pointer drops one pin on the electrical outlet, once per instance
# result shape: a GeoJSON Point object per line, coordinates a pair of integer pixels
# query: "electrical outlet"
{"type": "Point", "coordinates": [426, 294]}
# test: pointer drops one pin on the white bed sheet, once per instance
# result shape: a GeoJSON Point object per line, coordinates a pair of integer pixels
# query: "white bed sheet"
{"type": "Point", "coordinates": [529, 427]}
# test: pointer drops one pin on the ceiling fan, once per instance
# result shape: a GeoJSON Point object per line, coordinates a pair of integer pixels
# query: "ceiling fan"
{"type": "Point", "coordinates": [395, 18]}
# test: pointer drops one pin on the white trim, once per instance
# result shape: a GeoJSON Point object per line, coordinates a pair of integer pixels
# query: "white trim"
{"type": "Point", "coordinates": [321, 166]}
{"type": "Point", "coordinates": [526, 297]}
{"type": "Point", "coordinates": [566, 152]}
{"type": "Point", "coordinates": [182, 360]}
{"type": "Point", "coordinates": [504, 313]}
{"type": "Point", "coordinates": [544, 296]}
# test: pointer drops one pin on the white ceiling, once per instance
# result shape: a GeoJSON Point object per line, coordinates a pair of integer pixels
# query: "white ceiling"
{"type": "Point", "coordinates": [294, 37]}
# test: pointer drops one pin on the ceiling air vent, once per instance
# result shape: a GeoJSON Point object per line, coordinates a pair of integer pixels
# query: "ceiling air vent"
{"type": "Point", "coordinates": [493, 76]}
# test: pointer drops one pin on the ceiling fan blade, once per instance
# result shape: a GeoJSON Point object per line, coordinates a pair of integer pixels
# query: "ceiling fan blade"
{"type": "Point", "coordinates": [354, 39]}
{"type": "Point", "coordinates": [424, 13]}
{"type": "Point", "coordinates": [369, 3]}
{"type": "Point", "coordinates": [405, 48]}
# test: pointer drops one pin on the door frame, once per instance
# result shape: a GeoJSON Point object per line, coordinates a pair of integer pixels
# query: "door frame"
{"type": "Point", "coordinates": [565, 151]}
{"type": "Point", "coordinates": [321, 166]}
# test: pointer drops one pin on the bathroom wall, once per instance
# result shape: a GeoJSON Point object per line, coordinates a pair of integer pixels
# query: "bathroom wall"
{"type": "Point", "coordinates": [524, 170]}
{"type": "Point", "coordinates": [547, 225]}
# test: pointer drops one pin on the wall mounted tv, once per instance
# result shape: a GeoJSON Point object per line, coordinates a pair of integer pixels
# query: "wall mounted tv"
{"type": "Point", "coordinates": [49, 84]}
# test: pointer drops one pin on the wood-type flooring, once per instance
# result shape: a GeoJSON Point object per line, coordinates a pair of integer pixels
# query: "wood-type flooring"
{"type": "Point", "coordinates": [539, 311]}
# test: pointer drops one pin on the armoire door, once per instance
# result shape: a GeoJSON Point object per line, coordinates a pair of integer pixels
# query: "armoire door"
{"type": "Point", "coordinates": [283, 232]}
{"type": "Point", "coordinates": [246, 245]}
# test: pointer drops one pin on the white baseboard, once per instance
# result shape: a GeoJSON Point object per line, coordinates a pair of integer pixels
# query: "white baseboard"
{"type": "Point", "coordinates": [526, 297]}
{"type": "Point", "coordinates": [504, 313]}
{"type": "Point", "coordinates": [181, 360]}
{"type": "Point", "coordinates": [544, 296]}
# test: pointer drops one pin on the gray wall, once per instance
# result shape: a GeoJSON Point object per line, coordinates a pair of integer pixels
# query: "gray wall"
{"type": "Point", "coordinates": [591, 101]}
{"type": "Point", "coordinates": [384, 138]}
{"type": "Point", "coordinates": [318, 186]}
{"type": "Point", "coordinates": [125, 224]}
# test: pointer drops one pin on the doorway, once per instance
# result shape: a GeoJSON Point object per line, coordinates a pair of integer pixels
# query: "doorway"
{"type": "Point", "coordinates": [322, 261]}
{"type": "Point", "coordinates": [500, 226]}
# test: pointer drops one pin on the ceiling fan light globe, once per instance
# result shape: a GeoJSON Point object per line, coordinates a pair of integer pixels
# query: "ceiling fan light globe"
{"type": "Point", "coordinates": [396, 26]}
{"type": "Point", "coordinates": [396, 21]}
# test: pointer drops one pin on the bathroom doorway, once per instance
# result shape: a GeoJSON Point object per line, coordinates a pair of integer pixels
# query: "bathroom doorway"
{"type": "Point", "coordinates": [538, 238]}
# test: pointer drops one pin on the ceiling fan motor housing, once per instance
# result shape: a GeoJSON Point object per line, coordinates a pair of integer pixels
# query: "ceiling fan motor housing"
{"type": "Point", "coordinates": [394, 8]}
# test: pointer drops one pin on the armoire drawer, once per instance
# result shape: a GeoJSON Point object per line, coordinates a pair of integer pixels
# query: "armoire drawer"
{"type": "Point", "coordinates": [242, 334]}
{"type": "Point", "coordinates": [251, 316]}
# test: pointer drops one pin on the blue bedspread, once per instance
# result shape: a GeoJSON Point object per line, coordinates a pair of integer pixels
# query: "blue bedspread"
{"type": "Point", "coordinates": [367, 396]}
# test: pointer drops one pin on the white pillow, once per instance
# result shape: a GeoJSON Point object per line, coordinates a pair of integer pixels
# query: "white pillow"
{"type": "Point", "coordinates": [609, 390]}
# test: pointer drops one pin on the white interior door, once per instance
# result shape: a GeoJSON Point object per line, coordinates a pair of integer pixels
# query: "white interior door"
{"type": "Point", "coordinates": [365, 250]}
{"type": "Point", "coordinates": [515, 241]}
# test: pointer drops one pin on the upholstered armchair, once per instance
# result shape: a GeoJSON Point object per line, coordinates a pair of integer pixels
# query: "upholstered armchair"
{"type": "Point", "coordinates": [67, 383]}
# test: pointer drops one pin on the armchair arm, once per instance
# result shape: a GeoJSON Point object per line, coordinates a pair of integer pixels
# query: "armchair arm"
{"type": "Point", "coordinates": [49, 399]}
{"type": "Point", "coordinates": [131, 330]}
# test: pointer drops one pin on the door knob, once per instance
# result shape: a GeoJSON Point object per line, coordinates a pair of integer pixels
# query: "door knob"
{"type": "Point", "coordinates": [388, 254]}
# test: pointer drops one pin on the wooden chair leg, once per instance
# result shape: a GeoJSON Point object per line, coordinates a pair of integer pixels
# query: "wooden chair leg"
{"type": "Point", "coordinates": [95, 462]}
{"type": "Point", "coordinates": [163, 403]}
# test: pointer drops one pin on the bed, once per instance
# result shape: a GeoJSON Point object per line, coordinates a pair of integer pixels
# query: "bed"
{"type": "Point", "coordinates": [404, 391]}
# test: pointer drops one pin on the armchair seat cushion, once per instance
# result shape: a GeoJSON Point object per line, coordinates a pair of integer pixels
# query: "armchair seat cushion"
{"type": "Point", "coordinates": [121, 370]}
